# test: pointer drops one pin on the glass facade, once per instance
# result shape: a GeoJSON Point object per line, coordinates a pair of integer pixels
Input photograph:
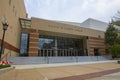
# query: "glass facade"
{"type": "Point", "coordinates": [60, 46]}
{"type": "Point", "coordinates": [47, 42]}
{"type": "Point", "coordinates": [24, 43]}
{"type": "Point", "coordinates": [54, 46]}
{"type": "Point", "coordinates": [69, 43]}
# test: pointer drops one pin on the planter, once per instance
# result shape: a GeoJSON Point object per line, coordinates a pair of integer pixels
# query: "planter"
{"type": "Point", "coordinates": [4, 66]}
{"type": "Point", "coordinates": [118, 61]}
{"type": "Point", "coordinates": [3, 70]}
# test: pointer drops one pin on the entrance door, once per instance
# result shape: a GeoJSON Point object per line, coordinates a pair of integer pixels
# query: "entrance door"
{"type": "Point", "coordinates": [96, 51]}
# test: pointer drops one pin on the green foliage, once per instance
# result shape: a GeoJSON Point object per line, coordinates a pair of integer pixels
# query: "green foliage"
{"type": "Point", "coordinates": [115, 50]}
{"type": "Point", "coordinates": [117, 23]}
{"type": "Point", "coordinates": [116, 19]}
{"type": "Point", "coordinates": [118, 40]}
{"type": "Point", "coordinates": [4, 66]}
{"type": "Point", "coordinates": [111, 35]}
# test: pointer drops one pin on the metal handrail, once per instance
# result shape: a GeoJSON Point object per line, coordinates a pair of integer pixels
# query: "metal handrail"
{"type": "Point", "coordinates": [60, 52]}
{"type": "Point", "coordinates": [5, 56]}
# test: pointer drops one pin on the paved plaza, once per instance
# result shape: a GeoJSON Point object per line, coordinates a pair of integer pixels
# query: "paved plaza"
{"type": "Point", "coordinates": [110, 71]}
{"type": "Point", "coordinates": [114, 76]}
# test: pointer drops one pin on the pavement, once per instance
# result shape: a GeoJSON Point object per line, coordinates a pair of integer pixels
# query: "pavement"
{"type": "Point", "coordinates": [66, 72]}
{"type": "Point", "coordinates": [28, 74]}
{"type": "Point", "coordinates": [114, 76]}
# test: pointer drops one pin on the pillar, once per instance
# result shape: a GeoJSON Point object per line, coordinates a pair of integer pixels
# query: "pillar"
{"type": "Point", "coordinates": [33, 43]}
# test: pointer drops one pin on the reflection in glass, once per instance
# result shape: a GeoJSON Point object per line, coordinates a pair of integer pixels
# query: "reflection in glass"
{"type": "Point", "coordinates": [24, 43]}
{"type": "Point", "coordinates": [69, 43]}
{"type": "Point", "coordinates": [60, 46]}
{"type": "Point", "coordinates": [46, 43]}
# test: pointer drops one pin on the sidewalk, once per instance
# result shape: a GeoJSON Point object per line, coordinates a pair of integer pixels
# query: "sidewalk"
{"type": "Point", "coordinates": [58, 72]}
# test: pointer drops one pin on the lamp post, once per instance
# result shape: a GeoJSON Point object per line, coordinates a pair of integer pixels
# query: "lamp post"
{"type": "Point", "coordinates": [5, 25]}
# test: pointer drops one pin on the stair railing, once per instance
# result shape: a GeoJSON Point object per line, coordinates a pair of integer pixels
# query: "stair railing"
{"type": "Point", "coordinates": [6, 55]}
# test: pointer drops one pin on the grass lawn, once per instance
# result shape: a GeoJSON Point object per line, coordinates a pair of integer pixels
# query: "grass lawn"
{"type": "Point", "coordinates": [4, 66]}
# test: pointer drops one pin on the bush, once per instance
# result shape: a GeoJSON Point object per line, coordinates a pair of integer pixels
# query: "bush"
{"type": "Point", "coordinates": [115, 50]}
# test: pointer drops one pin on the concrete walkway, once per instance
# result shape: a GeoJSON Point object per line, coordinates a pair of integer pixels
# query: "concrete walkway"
{"type": "Point", "coordinates": [52, 73]}
{"type": "Point", "coordinates": [28, 74]}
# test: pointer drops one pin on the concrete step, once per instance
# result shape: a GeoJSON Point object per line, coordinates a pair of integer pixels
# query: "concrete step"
{"type": "Point", "coordinates": [47, 60]}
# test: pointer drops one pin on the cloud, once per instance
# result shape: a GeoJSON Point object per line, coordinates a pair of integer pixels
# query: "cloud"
{"type": "Point", "coordinates": [72, 10]}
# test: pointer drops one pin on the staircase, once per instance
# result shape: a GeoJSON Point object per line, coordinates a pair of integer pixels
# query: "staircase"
{"type": "Point", "coordinates": [49, 60]}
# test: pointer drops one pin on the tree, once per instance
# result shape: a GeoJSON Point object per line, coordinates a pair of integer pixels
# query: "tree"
{"type": "Point", "coordinates": [116, 19]}
{"type": "Point", "coordinates": [115, 50]}
{"type": "Point", "coordinates": [111, 35]}
{"type": "Point", "coordinates": [117, 16]}
{"type": "Point", "coordinates": [112, 39]}
{"type": "Point", "coordinates": [116, 23]}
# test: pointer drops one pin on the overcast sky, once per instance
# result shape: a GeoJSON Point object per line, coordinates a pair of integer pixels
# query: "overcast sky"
{"type": "Point", "coordinates": [72, 10]}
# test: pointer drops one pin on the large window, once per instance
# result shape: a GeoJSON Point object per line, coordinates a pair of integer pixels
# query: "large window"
{"type": "Point", "coordinates": [24, 43]}
{"type": "Point", "coordinates": [60, 46]}
{"type": "Point", "coordinates": [69, 43]}
{"type": "Point", "coordinates": [46, 42]}
{"type": "Point", "coordinates": [49, 42]}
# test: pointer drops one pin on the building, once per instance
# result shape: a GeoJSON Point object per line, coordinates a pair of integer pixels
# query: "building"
{"type": "Point", "coordinates": [94, 24]}
{"type": "Point", "coordinates": [12, 10]}
{"type": "Point", "coordinates": [40, 37]}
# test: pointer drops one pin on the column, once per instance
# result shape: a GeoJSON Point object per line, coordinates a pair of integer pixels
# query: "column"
{"type": "Point", "coordinates": [33, 43]}
{"type": "Point", "coordinates": [56, 50]}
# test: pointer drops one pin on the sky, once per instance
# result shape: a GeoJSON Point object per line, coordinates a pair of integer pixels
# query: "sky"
{"type": "Point", "coordinates": [73, 10]}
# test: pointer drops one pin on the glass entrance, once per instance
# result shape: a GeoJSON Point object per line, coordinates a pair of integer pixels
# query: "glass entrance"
{"type": "Point", "coordinates": [59, 46]}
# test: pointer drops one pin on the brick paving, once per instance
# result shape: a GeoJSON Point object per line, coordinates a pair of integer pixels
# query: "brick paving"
{"type": "Point", "coordinates": [91, 75]}
{"type": "Point", "coordinates": [76, 70]}
{"type": "Point", "coordinates": [113, 76]}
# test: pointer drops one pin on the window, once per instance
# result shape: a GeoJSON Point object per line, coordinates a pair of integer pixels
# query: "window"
{"type": "Point", "coordinates": [60, 46]}
{"type": "Point", "coordinates": [46, 43]}
{"type": "Point", "coordinates": [24, 43]}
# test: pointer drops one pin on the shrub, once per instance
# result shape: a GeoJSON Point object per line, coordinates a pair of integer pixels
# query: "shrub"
{"type": "Point", "coordinates": [115, 50]}
{"type": "Point", "coordinates": [4, 66]}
